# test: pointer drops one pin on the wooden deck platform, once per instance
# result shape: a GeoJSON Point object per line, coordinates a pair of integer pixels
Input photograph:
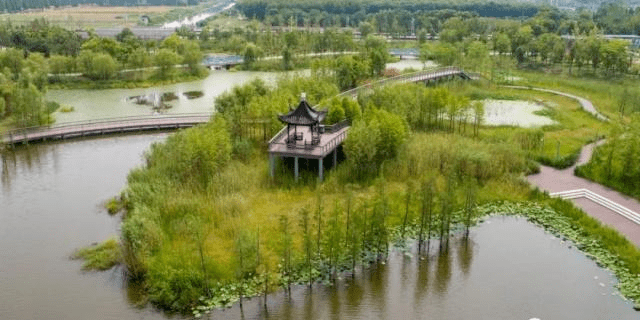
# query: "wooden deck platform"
{"type": "Point", "coordinates": [104, 126]}
{"type": "Point", "coordinates": [304, 148]}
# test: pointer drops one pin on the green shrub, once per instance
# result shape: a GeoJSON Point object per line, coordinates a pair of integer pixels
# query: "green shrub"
{"type": "Point", "coordinates": [242, 148]}
{"type": "Point", "coordinates": [372, 140]}
{"type": "Point", "coordinates": [113, 205]}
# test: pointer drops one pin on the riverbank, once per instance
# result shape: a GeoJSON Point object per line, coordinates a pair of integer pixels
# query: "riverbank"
{"type": "Point", "coordinates": [144, 79]}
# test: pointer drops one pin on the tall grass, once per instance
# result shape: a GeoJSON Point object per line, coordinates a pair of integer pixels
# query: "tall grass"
{"type": "Point", "coordinates": [204, 219]}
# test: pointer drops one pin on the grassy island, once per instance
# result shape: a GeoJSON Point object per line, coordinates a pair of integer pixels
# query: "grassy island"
{"type": "Point", "coordinates": [205, 225]}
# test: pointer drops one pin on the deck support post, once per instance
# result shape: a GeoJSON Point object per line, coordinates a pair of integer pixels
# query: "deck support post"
{"type": "Point", "coordinates": [272, 165]}
{"type": "Point", "coordinates": [296, 167]}
{"type": "Point", "coordinates": [335, 157]}
{"type": "Point", "coordinates": [320, 169]}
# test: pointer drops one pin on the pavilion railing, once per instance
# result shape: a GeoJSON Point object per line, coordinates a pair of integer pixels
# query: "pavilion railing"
{"type": "Point", "coordinates": [333, 143]}
{"type": "Point", "coordinates": [337, 126]}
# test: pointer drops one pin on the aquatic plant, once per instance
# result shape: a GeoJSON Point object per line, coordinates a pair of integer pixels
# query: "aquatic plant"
{"type": "Point", "coordinates": [102, 256]}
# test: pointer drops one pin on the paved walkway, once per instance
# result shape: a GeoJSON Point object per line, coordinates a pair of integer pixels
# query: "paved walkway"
{"type": "Point", "coordinates": [554, 180]}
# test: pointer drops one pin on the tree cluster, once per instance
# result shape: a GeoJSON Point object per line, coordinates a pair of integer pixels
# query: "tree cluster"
{"type": "Point", "coordinates": [39, 36]}
{"type": "Point", "coordinates": [617, 162]}
{"type": "Point", "coordinates": [327, 13]}
{"type": "Point", "coordinates": [23, 82]}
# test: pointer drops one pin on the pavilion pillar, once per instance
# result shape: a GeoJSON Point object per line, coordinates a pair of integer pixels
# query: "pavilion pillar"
{"type": "Point", "coordinates": [320, 169]}
{"type": "Point", "coordinates": [272, 165]}
{"type": "Point", "coordinates": [296, 167]}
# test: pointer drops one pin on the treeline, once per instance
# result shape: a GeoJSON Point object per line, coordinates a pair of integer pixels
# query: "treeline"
{"type": "Point", "coordinates": [269, 43]}
{"type": "Point", "coordinates": [352, 13]}
{"type": "Point", "coordinates": [23, 83]}
{"type": "Point", "coordinates": [19, 5]}
{"type": "Point", "coordinates": [545, 40]}
{"type": "Point", "coordinates": [40, 36]}
{"type": "Point", "coordinates": [98, 58]}
{"type": "Point", "coordinates": [405, 17]}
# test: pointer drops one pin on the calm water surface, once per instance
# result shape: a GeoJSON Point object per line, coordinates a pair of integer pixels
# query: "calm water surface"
{"type": "Point", "coordinates": [509, 269]}
{"type": "Point", "coordinates": [100, 104]}
{"type": "Point", "coordinates": [50, 205]}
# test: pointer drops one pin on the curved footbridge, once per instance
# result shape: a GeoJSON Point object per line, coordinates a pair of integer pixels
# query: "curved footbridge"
{"type": "Point", "coordinates": [430, 76]}
{"type": "Point", "coordinates": [104, 126]}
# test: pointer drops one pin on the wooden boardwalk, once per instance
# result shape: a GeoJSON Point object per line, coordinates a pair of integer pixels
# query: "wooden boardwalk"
{"type": "Point", "coordinates": [103, 126]}
{"type": "Point", "coordinates": [164, 122]}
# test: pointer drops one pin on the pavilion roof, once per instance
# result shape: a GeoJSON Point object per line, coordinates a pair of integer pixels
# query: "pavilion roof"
{"type": "Point", "coordinates": [303, 115]}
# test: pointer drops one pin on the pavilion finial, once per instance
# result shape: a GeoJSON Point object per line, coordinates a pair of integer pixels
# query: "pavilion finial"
{"type": "Point", "coordinates": [303, 96]}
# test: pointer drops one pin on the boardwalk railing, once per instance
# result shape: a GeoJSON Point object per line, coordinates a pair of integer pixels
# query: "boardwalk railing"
{"type": "Point", "coordinates": [613, 206]}
{"type": "Point", "coordinates": [337, 126]}
{"type": "Point", "coordinates": [109, 125]}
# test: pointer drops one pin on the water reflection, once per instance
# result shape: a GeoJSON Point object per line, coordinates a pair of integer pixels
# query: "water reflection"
{"type": "Point", "coordinates": [28, 156]}
{"type": "Point", "coordinates": [421, 290]}
{"type": "Point", "coordinates": [465, 255]}
{"type": "Point", "coordinates": [442, 274]}
{"type": "Point", "coordinates": [467, 283]}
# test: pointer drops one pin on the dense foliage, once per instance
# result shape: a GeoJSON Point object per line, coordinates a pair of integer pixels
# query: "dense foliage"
{"type": "Point", "coordinates": [352, 13]}
{"type": "Point", "coordinates": [23, 83]}
{"type": "Point", "coordinates": [41, 37]}
{"type": "Point", "coordinates": [617, 162]}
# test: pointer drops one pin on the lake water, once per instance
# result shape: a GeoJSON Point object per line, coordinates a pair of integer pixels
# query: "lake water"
{"type": "Point", "coordinates": [51, 199]}
{"type": "Point", "coordinates": [516, 113]}
{"type": "Point", "coordinates": [110, 103]}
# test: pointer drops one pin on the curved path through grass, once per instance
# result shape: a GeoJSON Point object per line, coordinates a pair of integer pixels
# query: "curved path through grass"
{"type": "Point", "coordinates": [556, 180]}
{"type": "Point", "coordinates": [586, 104]}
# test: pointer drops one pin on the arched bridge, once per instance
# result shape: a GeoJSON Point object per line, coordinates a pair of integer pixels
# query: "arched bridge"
{"type": "Point", "coordinates": [104, 126]}
{"type": "Point", "coordinates": [429, 76]}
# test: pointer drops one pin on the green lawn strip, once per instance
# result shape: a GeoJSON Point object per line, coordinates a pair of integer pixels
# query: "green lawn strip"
{"type": "Point", "coordinates": [149, 80]}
